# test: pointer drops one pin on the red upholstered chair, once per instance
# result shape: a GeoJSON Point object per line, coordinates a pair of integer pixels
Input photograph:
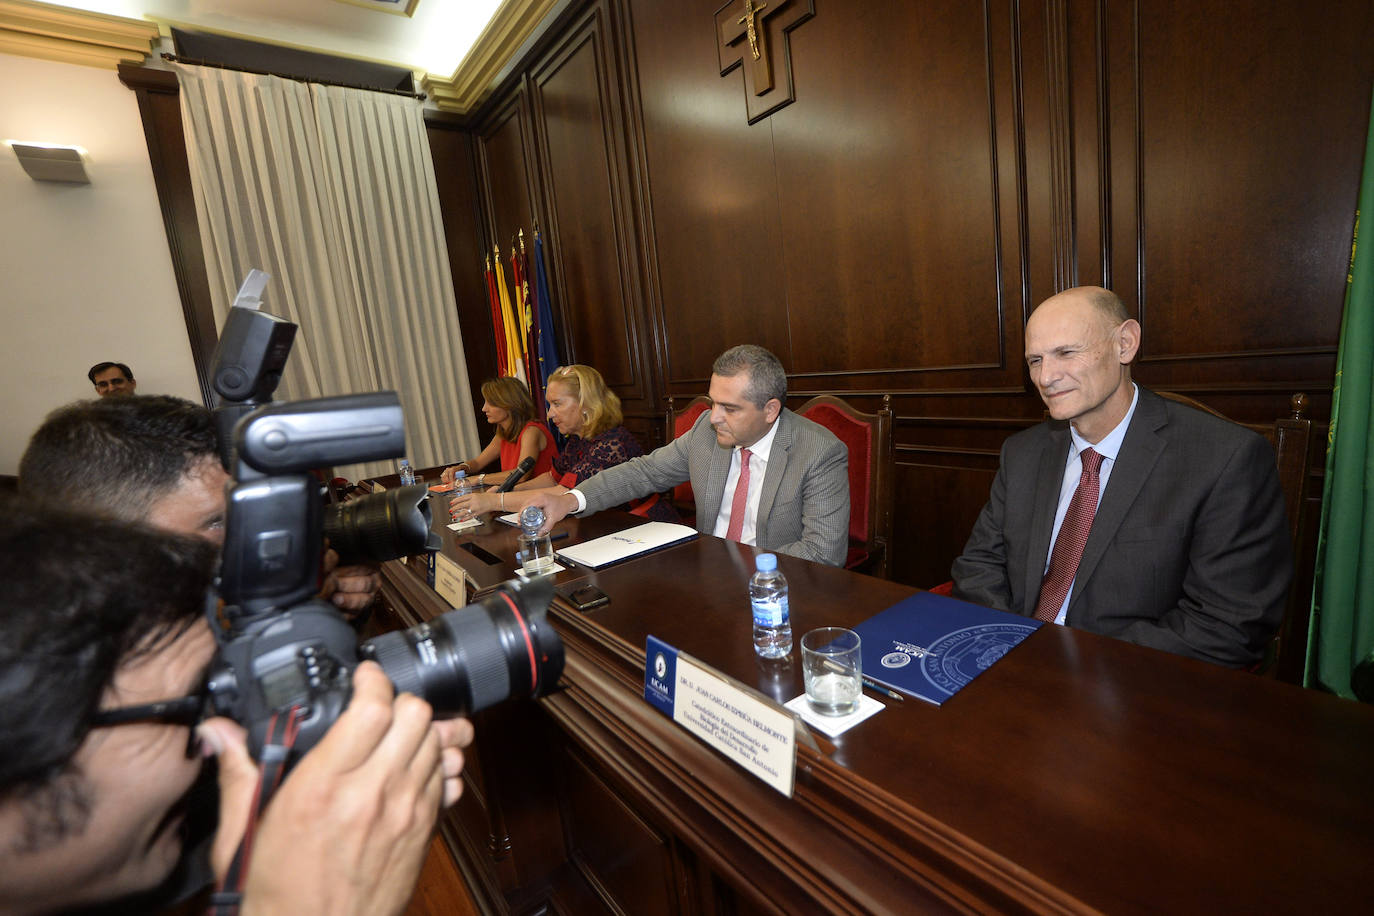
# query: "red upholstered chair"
{"type": "Point", "coordinates": [869, 439]}
{"type": "Point", "coordinates": [678, 423]}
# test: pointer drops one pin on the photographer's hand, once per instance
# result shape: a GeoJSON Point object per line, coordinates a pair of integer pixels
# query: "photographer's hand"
{"type": "Point", "coordinates": [348, 831]}
{"type": "Point", "coordinates": [350, 588]}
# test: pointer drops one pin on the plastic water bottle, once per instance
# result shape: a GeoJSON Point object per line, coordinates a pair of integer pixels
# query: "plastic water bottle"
{"type": "Point", "coordinates": [460, 484]}
{"type": "Point", "coordinates": [536, 550]}
{"type": "Point", "coordinates": [768, 596]}
{"type": "Point", "coordinates": [407, 473]}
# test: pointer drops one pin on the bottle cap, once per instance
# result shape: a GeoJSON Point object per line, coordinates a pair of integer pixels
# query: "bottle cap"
{"type": "Point", "coordinates": [765, 562]}
{"type": "Point", "coordinates": [531, 520]}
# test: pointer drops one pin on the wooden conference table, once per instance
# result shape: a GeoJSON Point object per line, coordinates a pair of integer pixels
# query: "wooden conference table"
{"type": "Point", "coordinates": [1078, 774]}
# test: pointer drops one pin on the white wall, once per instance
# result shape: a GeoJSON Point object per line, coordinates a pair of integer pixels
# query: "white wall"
{"type": "Point", "coordinates": [85, 274]}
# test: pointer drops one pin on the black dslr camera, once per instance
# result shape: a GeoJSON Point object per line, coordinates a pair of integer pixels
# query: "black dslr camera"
{"type": "Point", "coordinates": [281, 649]}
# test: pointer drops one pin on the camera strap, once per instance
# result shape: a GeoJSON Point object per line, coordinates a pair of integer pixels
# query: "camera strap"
{"type": "Point", "coordinates": [276, 749]}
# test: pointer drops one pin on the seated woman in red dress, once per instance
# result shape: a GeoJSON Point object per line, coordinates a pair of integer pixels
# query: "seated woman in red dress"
{"type": "Point", "coordinates": [588, 413]}
{"type": "Point", "coordinates": [508, 406]}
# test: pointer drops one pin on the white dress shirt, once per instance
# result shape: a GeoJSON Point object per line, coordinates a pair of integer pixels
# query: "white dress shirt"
{"type": "Point", "coordinates": [758, 466]}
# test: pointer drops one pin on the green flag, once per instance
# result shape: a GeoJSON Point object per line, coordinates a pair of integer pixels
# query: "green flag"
{"type": "Point", "coordinates": [1341, 632]}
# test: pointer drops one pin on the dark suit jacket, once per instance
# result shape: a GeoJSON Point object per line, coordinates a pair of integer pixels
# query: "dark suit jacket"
{"type": "Point", "coordinates": [1189, 549]}
{"type": "Point", "coordinates": [804, 505]}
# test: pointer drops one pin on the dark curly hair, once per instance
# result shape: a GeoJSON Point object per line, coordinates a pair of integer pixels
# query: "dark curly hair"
{"type": "Point", "coordinates": [83, 597]}
{"type": "Point", "coordinates": [118, 454]}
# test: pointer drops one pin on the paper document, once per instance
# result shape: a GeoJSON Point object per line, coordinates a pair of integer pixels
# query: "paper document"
{"type": "Point", "coordinates": [631, 542]}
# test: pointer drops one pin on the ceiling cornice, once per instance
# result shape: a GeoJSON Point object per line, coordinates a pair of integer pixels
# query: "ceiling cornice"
{"type": "Point", "coordinates": [513, 23]}
{"type": "Point", "coordinates": [73, 36]}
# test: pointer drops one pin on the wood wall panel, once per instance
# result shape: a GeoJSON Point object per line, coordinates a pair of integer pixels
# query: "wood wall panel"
{"type": "Point", "coordinates": [892, 250]}
{"type": "Point", "coordinates": [574, 105]}
{"type": "Point", "coordinates": [1246, 175]}
{"type": "Point", "coordinates": [455, 178]}
{"type": "Point", "coordinates": [937, 490]}
{"type": "Point", "coordinates": [508, 177]}
{"type": "Point", "coordinates": [620, 854]}
{"type": "Point", "coordinates": [713, 195]}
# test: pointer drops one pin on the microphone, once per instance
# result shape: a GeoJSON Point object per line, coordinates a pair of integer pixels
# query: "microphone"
{"type": "Point", "coordinates": [509, 483]}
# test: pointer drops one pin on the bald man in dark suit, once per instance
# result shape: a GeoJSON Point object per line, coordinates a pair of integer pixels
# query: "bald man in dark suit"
{"type": "Point", "coordinates": [1186, 548]}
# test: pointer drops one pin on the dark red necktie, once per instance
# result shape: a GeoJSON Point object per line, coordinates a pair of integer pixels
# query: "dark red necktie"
{"type": "Point", "coordinates": [1073, 534]}
{"type": "Point", "coordinates": [740, 500]}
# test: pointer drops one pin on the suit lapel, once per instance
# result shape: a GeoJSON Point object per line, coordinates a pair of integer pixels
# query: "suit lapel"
{"type": "Point", "coordinates": [711, 496]}
{"type": "Point", "coordinates": [1048, 481]}
{"type": "Point", "coordinates": [1136, 459]}
{"type": "Point", "coordinates": [772, 475]}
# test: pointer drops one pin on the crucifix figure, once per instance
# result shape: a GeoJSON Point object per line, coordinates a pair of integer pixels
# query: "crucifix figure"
{"type": "Point", "coordinates": [744, 20]}
{"type": "Point", "coordinates": [747, 20]}
{"type": "Point", "coordinates": [740, 21]}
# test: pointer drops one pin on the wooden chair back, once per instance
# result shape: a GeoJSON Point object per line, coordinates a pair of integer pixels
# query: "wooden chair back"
{"type": "Point", "coordinates": [678, 423]}
{"type": "Point", "coordinates": [868, 437]}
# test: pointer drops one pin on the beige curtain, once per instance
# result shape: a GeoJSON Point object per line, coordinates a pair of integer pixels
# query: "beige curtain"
{"type": "Point", "coordinates": [332, 192]}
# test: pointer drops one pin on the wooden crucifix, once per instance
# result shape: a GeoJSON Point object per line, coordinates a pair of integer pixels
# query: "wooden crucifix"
{"type": "Point", "coordinates": [743, 29]}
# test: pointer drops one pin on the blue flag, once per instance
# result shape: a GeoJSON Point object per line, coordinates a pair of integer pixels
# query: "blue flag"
{"type": "Point", "coordinates": [547, 339]}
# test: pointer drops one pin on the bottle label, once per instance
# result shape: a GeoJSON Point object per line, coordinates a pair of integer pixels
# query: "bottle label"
{"type": "Point", "coordinates": [770, 613]}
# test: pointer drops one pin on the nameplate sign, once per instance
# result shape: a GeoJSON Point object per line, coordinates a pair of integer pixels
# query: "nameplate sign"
{"type": "Point", "coordinates": [745, 728]}
{"type": "Point", "coordinates": [449, 581]}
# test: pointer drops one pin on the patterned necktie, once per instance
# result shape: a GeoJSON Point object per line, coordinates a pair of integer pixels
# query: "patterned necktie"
{"type": "Point", "coordinates": [1073, 534]}
{"type": "Point", "coordinates": [741, 498]}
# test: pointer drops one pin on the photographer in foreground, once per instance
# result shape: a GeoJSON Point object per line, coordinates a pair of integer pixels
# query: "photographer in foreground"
{"type": "Point", "coordinates": [152, 459]}
{"type": "Point", "coordinates": [100, 615]}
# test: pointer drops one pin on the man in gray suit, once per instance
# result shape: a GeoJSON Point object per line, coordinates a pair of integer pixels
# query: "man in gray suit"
{"type": "Point", "coordinates": [1127, 514]}
{"type": "Point", "coordinates": [795, 474]}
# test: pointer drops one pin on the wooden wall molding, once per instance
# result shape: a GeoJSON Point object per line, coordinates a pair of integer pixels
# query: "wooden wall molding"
{"type": "Point", "coordinates": [73, 36]}
{"type": "Point", "coordinates": [1063, 217]}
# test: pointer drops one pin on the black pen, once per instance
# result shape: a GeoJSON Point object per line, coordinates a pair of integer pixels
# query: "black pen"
{"type": "Point", "coordinates": [559, 536]}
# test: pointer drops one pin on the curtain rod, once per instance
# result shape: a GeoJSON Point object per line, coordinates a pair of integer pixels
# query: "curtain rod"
{"type": "Point", "coordinates": [195, 61]}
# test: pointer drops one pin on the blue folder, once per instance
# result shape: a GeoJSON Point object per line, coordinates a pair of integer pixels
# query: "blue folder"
{"type": "Point", "coordinates": [931, 646]}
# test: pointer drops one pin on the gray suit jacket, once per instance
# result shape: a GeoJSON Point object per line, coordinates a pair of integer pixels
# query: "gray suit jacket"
{"type": "Point", "coordinates": [1188, 552]}
{"type": "Point", "coordinates": [804, 506]}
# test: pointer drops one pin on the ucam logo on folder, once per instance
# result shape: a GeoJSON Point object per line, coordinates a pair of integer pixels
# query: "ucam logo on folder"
{"type": "Point", "coordinates": [931, 646]}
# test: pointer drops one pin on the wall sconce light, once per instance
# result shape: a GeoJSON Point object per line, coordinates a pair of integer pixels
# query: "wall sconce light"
{"type": "Point", "coordinates": [51, 161]}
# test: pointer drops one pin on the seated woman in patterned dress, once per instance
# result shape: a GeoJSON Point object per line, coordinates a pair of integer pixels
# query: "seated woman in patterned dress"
{"type": "Point", "coordinates": [588, 413]}
{"type": "Point", "coordinates": [508, 406]}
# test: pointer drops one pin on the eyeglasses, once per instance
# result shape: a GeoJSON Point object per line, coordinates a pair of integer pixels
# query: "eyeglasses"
{"type": "Point", "coordinates": [187, 710]}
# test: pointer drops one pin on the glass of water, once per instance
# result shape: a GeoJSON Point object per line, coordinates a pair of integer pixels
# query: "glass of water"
{"type": "Point", "coordinates": [536, 554]}
{"type": "Point", "coordinates": [832, 670]}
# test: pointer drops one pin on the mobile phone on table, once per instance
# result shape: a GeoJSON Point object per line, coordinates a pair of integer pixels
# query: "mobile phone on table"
{"type": "Point", "coordinates": [584, 597]}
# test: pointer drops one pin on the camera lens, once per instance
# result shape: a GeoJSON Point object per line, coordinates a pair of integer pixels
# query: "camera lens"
{"type": "Point", "coordinates": [380, 527]}
{"type": "Point", "coordinates": [475, 657]}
